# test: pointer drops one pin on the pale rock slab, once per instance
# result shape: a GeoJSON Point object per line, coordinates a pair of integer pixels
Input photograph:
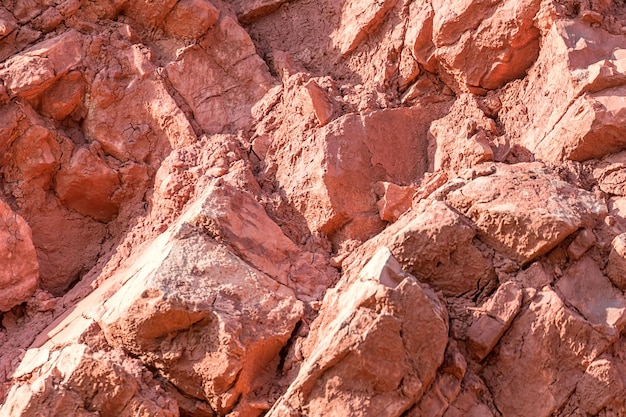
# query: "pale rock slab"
{"type": "Point", "coordinates": [236, 218]}
{"type": "Point", "coordinates": [394, 200]}
{"type": "Point", "coordinates": [585, 287]}
{"type": "Point", "coordinates": [383, 367]}
{"type": "Point", "coordinates": [75, 381]}
{"type": "Point", "coordinates": [511, 211]}
{"type": "Point", "coordinates": [209, 322]}
{"type": "Point", "coordinates": [19, 274]}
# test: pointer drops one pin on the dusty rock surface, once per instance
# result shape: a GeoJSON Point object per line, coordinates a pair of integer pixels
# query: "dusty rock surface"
{"type": "Point", "coordinates": [313, 208]}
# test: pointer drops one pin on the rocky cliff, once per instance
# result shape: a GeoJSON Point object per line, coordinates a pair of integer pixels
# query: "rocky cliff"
{"type": "Point", "coordinates": [313, 208]}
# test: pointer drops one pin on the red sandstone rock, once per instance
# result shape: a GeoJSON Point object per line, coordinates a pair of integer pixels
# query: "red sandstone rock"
{"type": "Point", "coordinates": [91, 383]}
{"type": "Point", "coordinates": [86, 184]}
{"type": "Point", "coordinates": [460, 140]}
{"type": "Point", "coordinates": [359, 19]}
{"type": "Point", "coordinates": [616, 268]}
{"type": "Point", "coordinates": [543, 355]}
{"type": "Point", "coordinates": [31, 72]}
{"type": "Point", "coordinates": [356, 152]}
{"type": "Point", "coordinates": [197, 174]}
{"type": "Point", "coordinates": [233, 77]}
{"type": "Point", "coordinates": [191, 18]}
{"type": "Point", "coordinates": [472, 47]}
{"type": "Point", "coordinates": [434, 243]}
{"type": "Point", "coordinates": [498, 313]}
{"type": "Point", "coordinates": [214, 333]}
{"type": "Point", "coordinates": [20, 272]}
{"type": "Point", "coordinates": [385, 366]}
{"type": "Point", "coordinates": [524, 233]}
{"type": "Point", "coordinates": [394, 200]}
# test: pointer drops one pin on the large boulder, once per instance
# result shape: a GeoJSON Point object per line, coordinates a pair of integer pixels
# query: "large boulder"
{"type": "Point", "coordinates": [374, 348]}
{"type": "Point", "coordinates": [570, 105]}
{"type": "Point", "coordinates": [524, 210]}
{"type": "Point", "coordinates": [231, 78]}
{"type": "Point", "coordinates": [544, 355]}
{"type": "Point", "coordinates": [472, 46]}
{"type": "Point", "coordinates": [211, 324]}
{"type": "Point", "coordinates": [355, 152]}
{"type": "Point", "coordinates": [435, 244]}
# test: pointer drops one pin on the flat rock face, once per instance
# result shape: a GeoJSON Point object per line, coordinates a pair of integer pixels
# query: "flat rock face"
{"type": "Point", "coordinates": [313, 208]}
{"type": "Point", "coordinates": [524, 210]}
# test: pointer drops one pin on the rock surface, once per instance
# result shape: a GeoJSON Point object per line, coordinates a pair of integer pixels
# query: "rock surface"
{"type": "Point", "coordinates": [312, 208]}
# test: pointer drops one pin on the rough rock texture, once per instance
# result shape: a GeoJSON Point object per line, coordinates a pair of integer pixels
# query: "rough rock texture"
{"type": "Point", "coordinates": [20, 271]}
{"type": "Point", "coordinates": [313, 208]}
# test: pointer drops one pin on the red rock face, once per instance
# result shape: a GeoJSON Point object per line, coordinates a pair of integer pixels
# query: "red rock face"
{"type": "Point", "coordinates": [312, 208]}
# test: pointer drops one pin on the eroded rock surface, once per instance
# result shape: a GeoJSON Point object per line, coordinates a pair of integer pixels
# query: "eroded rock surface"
{"type": "Point", "coordinates": [312, 208]}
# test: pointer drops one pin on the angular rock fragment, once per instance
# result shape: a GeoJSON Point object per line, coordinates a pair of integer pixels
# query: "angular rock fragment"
{"type": "Point", "coordinates": [585, 287]}
{"type": "Point", "coordinates": [231, 79]}
{"type": "Point", "coordinates": [374, 348]}
{"type": "Point", "coordinates": [354, 151]}
{"type": "Point", "coordinates": [86, 184]}
{"type": "Point", "coordinates": [234, 217]}
{"type": "Point", "coordinates": [31, 72]}
{"type": "Point", "coordinates": [446, 386]}
{"type": "Point", "coordinates": [434, 244]}
{"type": "Point", "coordinates": [460, 139]}
{"type": "Point", "coordinates": [360, 19]}
{"type": "Point", "coordinates": [498, 314]}
{"type": "Point", "coordinates": [211, 324]}
{"type": "Point", "coordinates": [63, 97]}
{"type": "Point", "coordinates": [191, 18]}
{"type": "Point", "coordinates": [75, 381]}
{"type": "Point", "coordinates": [581, 244]}
{"type": "Point", "coordinates": [542, 356]}
{"type": "Point", "coordinates": [511, 211]}
{"type": "Point", "coordinates": [394, 200]}
{"type": "Point", "coordinates": [19, 271]}
{"type": "Point", "coordinates": [600, 387]}
{"type": "Point", "coordinates": [473, 47]}
{"type": "Point", "coordinates": [248, 10]}
{"type": "Point", "coordinates": [569, 107]}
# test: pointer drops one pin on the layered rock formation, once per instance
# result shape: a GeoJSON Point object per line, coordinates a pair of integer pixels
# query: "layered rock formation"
{"type": "Point", "coordinates": [312, 208]}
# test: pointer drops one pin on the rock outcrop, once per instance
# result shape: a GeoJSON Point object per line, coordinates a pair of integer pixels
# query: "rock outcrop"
{"type": "Point", "coordinates": [312, 208]}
